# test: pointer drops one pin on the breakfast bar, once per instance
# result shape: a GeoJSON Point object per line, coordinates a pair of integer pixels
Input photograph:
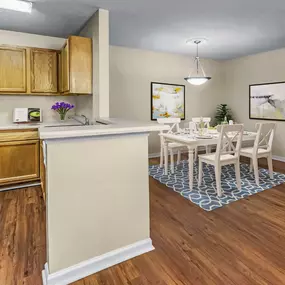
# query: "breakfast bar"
{"type": "Point", "coordinates": [97, 197]}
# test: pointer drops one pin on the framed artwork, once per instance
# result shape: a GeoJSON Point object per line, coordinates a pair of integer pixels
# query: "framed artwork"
{"type": "Point", "coordinates": [167, 101]}
{"type": "Point", "coordinates": [267, 101]}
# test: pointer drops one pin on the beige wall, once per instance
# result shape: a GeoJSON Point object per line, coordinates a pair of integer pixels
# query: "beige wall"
{"type": "Point", "coordinates": [9, 102]}
{"type": "Point", "coordinates": [240, 73]}
{"type": "Point", "coordinates": [98, 29]}
{"type": "Point", "coordinates": [132, 70]}
{"type": "Point", "coordinates": [90, 198]}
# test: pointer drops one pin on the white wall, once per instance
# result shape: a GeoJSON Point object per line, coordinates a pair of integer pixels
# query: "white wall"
{"type": "Point", "coordinates": [9, 102]}
{"type": "Point", "coordinates": [98, 29]}
{"type": "Point", "coordinates": [240, 73]}
{"type": "Point", "coordinates": [89, 199]}
{"type": "Point", "coordinates": [131, 72]}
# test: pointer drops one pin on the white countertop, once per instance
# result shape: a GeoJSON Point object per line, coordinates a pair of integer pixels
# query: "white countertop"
{"type": "Point", "coordinates": [114, 126]}
{"type": "Point", "coordinates": [21, 126]}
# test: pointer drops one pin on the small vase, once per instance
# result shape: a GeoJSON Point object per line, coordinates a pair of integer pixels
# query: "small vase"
{"type": "Point", "coordinates": [62, 116]}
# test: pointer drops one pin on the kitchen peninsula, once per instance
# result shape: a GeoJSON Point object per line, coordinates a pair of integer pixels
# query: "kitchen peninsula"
{"type": "Point", "coordinates": [97, 197]}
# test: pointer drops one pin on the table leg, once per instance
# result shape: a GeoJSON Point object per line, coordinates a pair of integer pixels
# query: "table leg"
{"type": "Point", "coordinates": [191, 166]}
{"type": "Point", "coordinates": [165, 157]}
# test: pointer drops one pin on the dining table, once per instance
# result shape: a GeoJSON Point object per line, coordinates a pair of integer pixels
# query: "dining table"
{"type": "Point", "coordinates": [191, 141]}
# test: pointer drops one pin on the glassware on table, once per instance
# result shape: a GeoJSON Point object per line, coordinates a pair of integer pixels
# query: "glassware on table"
{"type": "Point", "coordinates": [192, 128]}
{"type": "Point", "coordinates": [201, 127]}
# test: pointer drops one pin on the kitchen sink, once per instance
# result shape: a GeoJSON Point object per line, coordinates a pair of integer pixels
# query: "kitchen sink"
{"type": "Point", "coordinates": [98, 123]}
{"type": "Point", "coordinates": [61, 126]}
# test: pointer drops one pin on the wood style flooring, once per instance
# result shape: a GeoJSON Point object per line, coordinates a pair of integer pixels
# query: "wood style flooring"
{"type": "Point", "coordinates": [239, 244]}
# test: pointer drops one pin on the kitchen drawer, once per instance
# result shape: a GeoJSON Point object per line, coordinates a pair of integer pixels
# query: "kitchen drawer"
{"type": "Point", "coordinates": [18, 135]}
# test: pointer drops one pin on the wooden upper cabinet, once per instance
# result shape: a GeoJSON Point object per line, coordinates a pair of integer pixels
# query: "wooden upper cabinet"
{"type": "Point", "coordinates": [65, 68]}
{"type": "Point", "coordinates": [36, 71]}
{"type": "Point", "coordinates": [12, 70]}
{"type": "Point", "coordinates": [76, 60]}
{"type": "Point", "coordinates": [44, 71]}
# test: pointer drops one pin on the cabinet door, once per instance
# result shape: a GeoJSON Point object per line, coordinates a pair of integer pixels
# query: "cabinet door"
{"type": "Point", "coordinates": [65, 67]}
{"type": "Point", "coordinates": [13, 70]}
{"type": "Point", "coordinates": [44, 75]}
{"type": "Point", "coordinates": [80, 66]}
{"type": "Point", "coordinates": [19, 161]}
{"type": "Point", "coordinates": [60, 85]}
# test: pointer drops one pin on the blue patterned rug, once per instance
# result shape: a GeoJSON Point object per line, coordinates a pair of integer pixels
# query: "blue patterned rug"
{"type": "Point", "coordinates": [205, 196]}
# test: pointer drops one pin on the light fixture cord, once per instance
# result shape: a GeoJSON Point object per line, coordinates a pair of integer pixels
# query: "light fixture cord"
{"type": "Point", "coordinates": [197, 58]}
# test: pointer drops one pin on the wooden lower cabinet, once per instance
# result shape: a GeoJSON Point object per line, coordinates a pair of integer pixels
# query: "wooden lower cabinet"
{"type": "Point", "coordinates": [19, 157]}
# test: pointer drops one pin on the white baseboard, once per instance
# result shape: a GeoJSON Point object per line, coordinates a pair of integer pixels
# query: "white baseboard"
{"type": "Point", "coordinates": [19, 186]}
{"type": "Point", "coordinates": [154, 155]}
{"type": "Point", "coordinates": [279, 158]}
{"type": "Point", "coordinates": [96, 264]}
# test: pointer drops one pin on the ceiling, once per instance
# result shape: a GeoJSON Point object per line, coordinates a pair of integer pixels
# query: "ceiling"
{"type": "Point", "coordinates": [233, 27]}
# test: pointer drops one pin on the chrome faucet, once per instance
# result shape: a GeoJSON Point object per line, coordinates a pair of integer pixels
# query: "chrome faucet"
{"type": "Point", "coordinates": [86, 120]}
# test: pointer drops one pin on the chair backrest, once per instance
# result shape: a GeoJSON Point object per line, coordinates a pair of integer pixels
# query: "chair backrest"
{"type": "Point", "coordinates": [193, 126]}
{"type": "Point", "coordinates": [205, 120]}
{"type": "Point", "coordinates": [264, 137]}
{"type": "Point", "coordinates": [174, 122]}
{"type": "Point", "coordinates": [230, 139]}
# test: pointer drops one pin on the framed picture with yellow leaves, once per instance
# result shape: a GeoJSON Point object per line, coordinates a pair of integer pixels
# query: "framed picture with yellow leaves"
{"type": "Point", "coordinates": [167, 101]}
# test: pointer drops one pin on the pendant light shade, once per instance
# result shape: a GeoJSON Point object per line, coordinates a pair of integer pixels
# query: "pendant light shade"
{"type": "Point", "coordinates": [197, 80]}
{"type": "Point", "coordinates": [199, 77]}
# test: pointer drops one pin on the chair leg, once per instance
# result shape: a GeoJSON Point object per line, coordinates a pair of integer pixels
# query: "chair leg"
{"type": "Point", "coordinates": [255, 168]}
{"type": "Point", "coordinates": [237, 171]}
{"type": "Point", "coordinates": [196, 153]}
{"type": "Point", "coordinates": [270, 166]}
{"type": "Point", "coordinates": [178, 156]}
{"type": "Point", "coordinates": [171, 161]}
{"type": "Point", "coordinates": [250, 165]}
{"type": "Point", "coordinates": [161, 156]}
{"type": "Point", "coordinates": [200, 172]}
{"type": "Point", "coordinates": [218, 180]}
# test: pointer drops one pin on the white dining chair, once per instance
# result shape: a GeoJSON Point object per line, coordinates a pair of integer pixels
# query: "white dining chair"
{"type": "Point", "coordinates": [227, 152]}
{"type": "Point", "coordinates": [205, 120]}
{"type": "Point", "coordinates": [262, 148]}
{"type": "Point", "coordinates": [174, 122]}
{"type": "Point", "coordinates": [196, 121]}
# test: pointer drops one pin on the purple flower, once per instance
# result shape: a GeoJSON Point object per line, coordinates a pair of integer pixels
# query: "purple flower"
{"type": "Point", "coordinates": [62, 107]}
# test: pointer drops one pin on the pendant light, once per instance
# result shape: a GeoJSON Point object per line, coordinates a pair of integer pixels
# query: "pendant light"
{"type": "Point", "coordinates": [197, 78]}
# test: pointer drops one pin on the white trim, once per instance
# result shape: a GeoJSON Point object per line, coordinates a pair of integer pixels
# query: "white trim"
{"type": "Point", "coordinates": [279, 158]}
{"type": "Point", "coordinates": [93, 265]}
{"type": "Point", "coordinates": [154, 155]}
{"type": "Point", "coordinates": [17, 186]}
